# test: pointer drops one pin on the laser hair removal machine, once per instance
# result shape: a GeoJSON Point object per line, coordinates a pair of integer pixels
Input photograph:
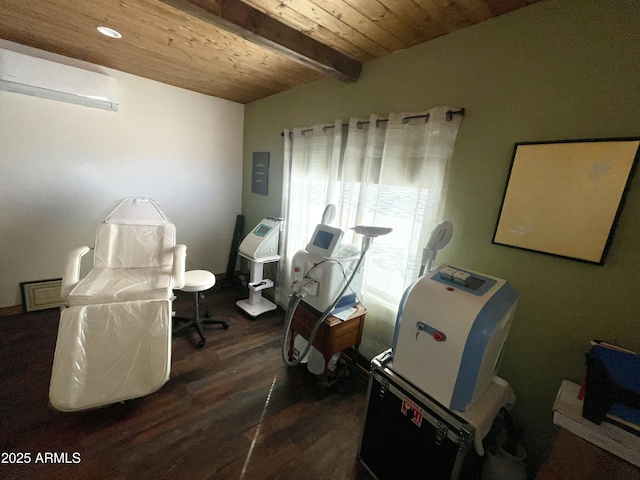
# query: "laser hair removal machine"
{"type": "Point", "coordinates": [323, 268]}
{"type": "Point", "coordinates": [320, 277]}
{"type": "Point", "coordinates": [451, 328]}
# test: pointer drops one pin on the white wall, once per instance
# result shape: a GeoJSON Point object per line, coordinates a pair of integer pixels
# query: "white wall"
{"type": "Point", "coordinates": [64, 167]}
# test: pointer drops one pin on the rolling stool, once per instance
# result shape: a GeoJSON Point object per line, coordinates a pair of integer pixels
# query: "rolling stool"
{"type": "Point", "coordinates": [197, 281]}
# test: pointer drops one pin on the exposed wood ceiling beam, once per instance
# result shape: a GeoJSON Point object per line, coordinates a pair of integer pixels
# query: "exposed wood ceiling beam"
{"type": "Point", "coordinates": [253, 25]}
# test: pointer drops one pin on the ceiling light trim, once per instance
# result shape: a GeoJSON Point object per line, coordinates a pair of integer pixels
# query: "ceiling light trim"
{"type": "Point", "coordinates": [109, 32]}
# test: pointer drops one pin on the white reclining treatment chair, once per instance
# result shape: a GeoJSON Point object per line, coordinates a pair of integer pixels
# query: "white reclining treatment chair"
{"type": "Point", "coordinates": [114, 338]}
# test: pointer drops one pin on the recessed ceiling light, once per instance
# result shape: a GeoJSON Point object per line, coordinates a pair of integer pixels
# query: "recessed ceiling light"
{"type": "Point", "coordinates": [109, 32]}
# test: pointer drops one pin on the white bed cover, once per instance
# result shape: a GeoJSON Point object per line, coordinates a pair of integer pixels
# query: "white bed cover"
{"type": "Point", "coordinates": [114, 337]}
{"type": "Point", "coordinates": [110, 353]}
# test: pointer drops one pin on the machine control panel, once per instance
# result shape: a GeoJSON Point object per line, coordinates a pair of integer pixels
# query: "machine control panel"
{"type": "Point", "coordinates": [463, 280]}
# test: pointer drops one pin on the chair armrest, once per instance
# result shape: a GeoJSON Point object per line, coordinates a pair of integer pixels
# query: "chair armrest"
{"type": "Point", "coordinates": [179, 259]}
{"type": "Point", "coordinates": [71, 272]}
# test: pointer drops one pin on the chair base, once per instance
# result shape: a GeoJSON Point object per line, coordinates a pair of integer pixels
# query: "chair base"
{"type": "Point", "coordinates": [197, 322]}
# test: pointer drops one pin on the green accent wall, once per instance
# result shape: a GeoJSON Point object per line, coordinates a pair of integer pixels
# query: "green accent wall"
{"type": "Point", "coordinates": [555, 70]}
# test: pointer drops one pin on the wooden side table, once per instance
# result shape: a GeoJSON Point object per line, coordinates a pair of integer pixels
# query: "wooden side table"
{"type": "Point", "coordinates": [333, 336]}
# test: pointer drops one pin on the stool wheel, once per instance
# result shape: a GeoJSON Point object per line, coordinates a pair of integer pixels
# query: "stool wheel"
{"type": "Point", "coordinates": [201, 343]}
{"type": "Point", "coordinates": [225, 326]}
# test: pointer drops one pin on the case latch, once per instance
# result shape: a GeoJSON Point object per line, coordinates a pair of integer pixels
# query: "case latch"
{"type": "Point", "coordinates": [441, 432]}
{"type": "Point", "coordinates": [384, 387]}
{"type": "Point", "coordinates": [464, 439]}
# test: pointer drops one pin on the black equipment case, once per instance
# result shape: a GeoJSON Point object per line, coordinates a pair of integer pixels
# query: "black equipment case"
{"type": "Point", "coordinates": [408, 435]}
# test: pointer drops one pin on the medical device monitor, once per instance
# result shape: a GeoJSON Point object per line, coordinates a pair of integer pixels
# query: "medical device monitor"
{"type": "Point", "coordinates": [324, 241]}
{"type": "Point", "coordinates": [262, 229]}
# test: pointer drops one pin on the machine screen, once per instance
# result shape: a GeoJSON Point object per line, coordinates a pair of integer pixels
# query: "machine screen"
{"type": "Point", "coordinates": [474, 283]}
{"type": "Point", "coordinates": [323, 239]}
{"type": "Point", "coordinates": [262, 230]}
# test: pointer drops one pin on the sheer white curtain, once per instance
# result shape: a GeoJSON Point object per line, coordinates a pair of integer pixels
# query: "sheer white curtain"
{"type": "Point", "coordinates": [311, 161]}
{"type": "Point", "coordinates": [392, 173]}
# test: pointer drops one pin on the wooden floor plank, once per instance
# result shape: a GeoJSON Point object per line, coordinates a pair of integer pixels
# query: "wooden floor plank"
{"type": "Point", "coordinates": [230, 410]}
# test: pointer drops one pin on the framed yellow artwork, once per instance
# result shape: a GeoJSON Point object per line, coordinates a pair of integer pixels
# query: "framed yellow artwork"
{"type": "Point", "coordinates": [564, 198]}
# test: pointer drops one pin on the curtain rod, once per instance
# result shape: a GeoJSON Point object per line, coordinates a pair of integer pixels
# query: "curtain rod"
{"type": "Point", "coordinates": [449, 115]}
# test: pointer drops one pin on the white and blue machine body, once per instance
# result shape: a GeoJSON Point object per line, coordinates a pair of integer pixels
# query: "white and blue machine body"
{"type": "Point", "coordinates": [450, 332]}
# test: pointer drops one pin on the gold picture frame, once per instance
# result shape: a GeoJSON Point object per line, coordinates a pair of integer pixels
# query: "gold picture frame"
{"type": "Point", "coordinates": [41, 294]}
{"type": "Point", "coordinates": [564, 198]}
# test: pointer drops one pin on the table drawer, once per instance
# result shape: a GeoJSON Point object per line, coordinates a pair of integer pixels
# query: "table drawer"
{"type": "Point", "coordinates": [304, 320]}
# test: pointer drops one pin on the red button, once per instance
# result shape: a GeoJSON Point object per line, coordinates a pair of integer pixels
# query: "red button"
{"type": "Point", "coordinates": [438, 336]}
{"type": "Point", "coordinates": [296, 269]}
{"type": "Point", "coordinates": [451, 289]}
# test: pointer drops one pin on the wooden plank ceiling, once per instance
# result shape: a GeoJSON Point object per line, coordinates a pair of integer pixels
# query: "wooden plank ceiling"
{"type": "Point", "coordinates": [238, 50]}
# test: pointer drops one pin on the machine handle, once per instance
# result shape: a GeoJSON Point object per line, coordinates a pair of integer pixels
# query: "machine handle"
{"type": "Point", "coordinates": [437, 335]}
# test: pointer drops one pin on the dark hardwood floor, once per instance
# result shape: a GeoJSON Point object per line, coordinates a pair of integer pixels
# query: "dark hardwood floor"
{"type": "Point", "coordinates": [231, 410]}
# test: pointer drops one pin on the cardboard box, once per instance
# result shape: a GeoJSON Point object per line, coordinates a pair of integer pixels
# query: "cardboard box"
{"type": "Point", "coordinates": [583, 450]}
{"type": "Point", "coordinates": [568, 415]}
{"type": "Point", "coordinates": [573, 458]}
